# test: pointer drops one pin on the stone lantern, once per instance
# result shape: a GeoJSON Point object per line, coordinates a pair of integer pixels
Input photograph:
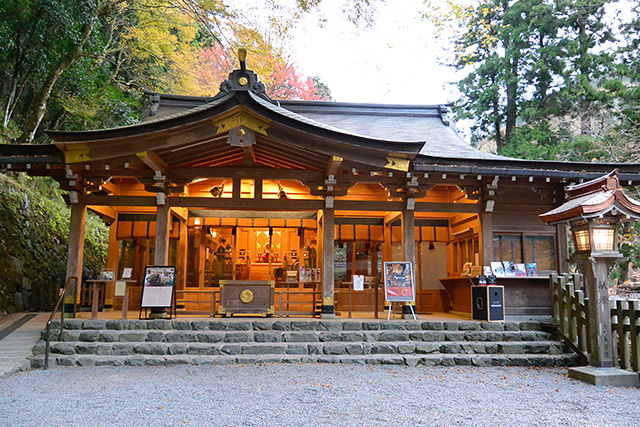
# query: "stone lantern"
{"type": "Point", "coordinates": [594, 210]}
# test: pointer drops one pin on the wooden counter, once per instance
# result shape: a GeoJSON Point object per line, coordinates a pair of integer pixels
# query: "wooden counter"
{"type": "Point", "coordinates": [522, 295]}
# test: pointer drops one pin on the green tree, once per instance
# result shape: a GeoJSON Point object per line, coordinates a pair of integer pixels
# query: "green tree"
{"type": "Point", "coordinates": [532, 66]}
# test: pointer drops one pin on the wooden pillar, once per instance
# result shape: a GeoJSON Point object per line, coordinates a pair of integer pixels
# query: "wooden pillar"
{"type": "Point", "coordinates": [161, 254]}
{"type": "Point", "coordinates": [374, 258]}
{"type": "Point", "coordinates": [486, 222]}
{"type": "Point", "coordinates": [320, 240]}
{"type": "Point", "coordinates": [257, 189]}
{"type": "Point", "coordinates": [201, 239]}
{"type": "Point", "coordinates": [562, 248]}
{"type": "Point", "coordinates": [113, 255]}
{"type": "Point", "coordinates": [409, 250]}
{"type": "Point", "coordinates": [409, 236]}
{"type": "Point", "coordinates": [387, 245]}
{"type": "Point", "coordinates": [181, 256]}
{"type": "Point", "coordinates": [328, 232]}
{"type": "Point", "coordinates": [236, 189]}
{"type": "Point", "coordinates": [75, 254]}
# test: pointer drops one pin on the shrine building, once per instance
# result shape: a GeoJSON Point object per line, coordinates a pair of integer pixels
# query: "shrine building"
{"type": "Point", "coordinates": [306, 194]}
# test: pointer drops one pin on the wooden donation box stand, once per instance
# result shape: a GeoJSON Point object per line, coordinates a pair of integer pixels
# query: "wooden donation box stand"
{"type": "Point", "coordinates": [487, 303]}
{"type": "Point", "coordinates": [247, 297]}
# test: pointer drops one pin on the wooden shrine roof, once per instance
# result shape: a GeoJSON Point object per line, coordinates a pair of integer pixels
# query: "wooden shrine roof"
{"type": "Point", "coordinates": [594, 198]}
{"type": "Point", "coordinates": [186, 133]}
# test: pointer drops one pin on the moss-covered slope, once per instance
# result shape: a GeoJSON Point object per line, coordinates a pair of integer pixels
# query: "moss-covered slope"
{"type": "Point", "coordinates": [34, 227]}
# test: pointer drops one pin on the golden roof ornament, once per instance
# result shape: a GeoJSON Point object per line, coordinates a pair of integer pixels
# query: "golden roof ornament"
{"type": "Point", "coordinates": [242, 57]}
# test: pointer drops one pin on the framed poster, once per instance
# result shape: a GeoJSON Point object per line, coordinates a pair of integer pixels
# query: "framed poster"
{"type": "Point", "coordinates": [398, 281]}
{"type": "Point", "coordinates": [158, 286]}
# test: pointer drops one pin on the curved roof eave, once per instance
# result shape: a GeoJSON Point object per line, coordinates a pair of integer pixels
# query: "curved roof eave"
{"type": "Point", "coordinates": [523, 167]}
{"type": "Point", "coordinates": [223, 104]}
{"type": "Point", "coordinates": [153, 125]}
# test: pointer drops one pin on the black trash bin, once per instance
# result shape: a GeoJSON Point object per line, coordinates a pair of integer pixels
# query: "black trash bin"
{"type": "Point", "coordinates": [487, 303]}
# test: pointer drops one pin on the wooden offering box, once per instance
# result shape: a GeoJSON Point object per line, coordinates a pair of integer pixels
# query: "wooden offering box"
{"type": "Point", "coordinates": [246, 297]}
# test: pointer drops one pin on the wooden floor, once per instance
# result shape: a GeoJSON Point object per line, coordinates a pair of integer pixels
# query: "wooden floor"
{"type": "Point", "coordinates": [117, 314]}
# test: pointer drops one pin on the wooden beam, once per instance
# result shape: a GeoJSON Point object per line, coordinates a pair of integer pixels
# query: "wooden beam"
{"type": "Point", "coordinates": [109, 187]}
{"type": "Point", "coordinates": [391, 217]}
{"type": "Point", "coordinates": [244, 204]}
{"type": "Point", "coordinates": [334, 165]}
{"type": "Point", "coordinates": [96, 200]}
{"type": "Point", "coordinates": [151, 159]}
{"type": "Point", "coordinates": [399, 206]}
{"type": "Point", "coordinates": [180, 213]}
{"type": "Point", "coordinates": [105, 211]}
{"type": "Point", "coordinates": [447, 207]}
{"type": "Point", "coordinates": [245, 172]}
{"type": "Point", "coordinates": [249, 155]}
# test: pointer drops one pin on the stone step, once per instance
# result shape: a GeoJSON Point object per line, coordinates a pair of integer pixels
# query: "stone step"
{"type": "Point", "coordinates": [295, 325]}
{"type": "Point", "coordinates": [280, 348]}
{"type": "Point", "coordinates": [409, 360]}
{"type": "Point", "coordinates": [72, 335]}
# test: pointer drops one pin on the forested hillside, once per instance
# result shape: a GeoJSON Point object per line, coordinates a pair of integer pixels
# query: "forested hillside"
{"type": "Point", "coordinates": [33, 243]}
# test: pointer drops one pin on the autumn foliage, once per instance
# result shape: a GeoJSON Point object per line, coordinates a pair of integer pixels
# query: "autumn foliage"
{"type": "Point", "coordinates": [283, 81]}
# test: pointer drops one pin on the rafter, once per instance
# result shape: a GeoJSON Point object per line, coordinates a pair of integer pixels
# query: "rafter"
{"type": "Point", "coordinates": [151, 159]}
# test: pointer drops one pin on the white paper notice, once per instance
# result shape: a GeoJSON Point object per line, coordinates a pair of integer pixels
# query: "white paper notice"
{"type": "Point", "coordinates": [126, 273]}
{"type": "Point", "coordinates": [120, 287]}
{"type": "Point", "coordinates": [358, 283]}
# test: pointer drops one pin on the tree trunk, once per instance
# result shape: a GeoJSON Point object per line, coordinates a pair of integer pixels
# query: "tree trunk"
{"type": "Point", "coordinates": [10, 102]}
{"type": "Point", "coordinates": [497, 124]}
{"type": "Point", "coordinates": [512, 98]}
{"type": "Point", "coordinates": [39, 105]}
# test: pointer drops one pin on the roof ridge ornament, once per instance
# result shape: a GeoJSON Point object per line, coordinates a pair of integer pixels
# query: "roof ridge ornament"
{"type": "Point", "coordinates": [243, 80]}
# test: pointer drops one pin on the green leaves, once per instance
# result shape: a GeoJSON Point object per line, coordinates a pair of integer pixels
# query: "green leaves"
{"type": "Point", "coordinates": [548, 79]}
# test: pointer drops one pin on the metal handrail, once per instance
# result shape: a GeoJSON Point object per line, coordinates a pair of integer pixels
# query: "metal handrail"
{"type": "Point", "coordinates": [53, 313]}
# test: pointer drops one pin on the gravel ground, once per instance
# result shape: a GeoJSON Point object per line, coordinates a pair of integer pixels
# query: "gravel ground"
{"type": "Point", "coordinates": [311, 395]}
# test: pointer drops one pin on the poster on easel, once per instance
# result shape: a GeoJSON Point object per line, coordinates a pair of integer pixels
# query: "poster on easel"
{"type": "Point", "coordinates": [399, 283]}
{"type": "Point", "coordinates": [158, 286]}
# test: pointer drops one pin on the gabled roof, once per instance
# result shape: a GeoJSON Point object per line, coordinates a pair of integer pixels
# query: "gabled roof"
{"type": "Point", "coordinates": [190, 131]}
{"type": "Point", "coordinates": [426, 125]}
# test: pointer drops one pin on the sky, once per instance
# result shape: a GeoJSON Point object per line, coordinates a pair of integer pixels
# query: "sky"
{"type": "Point", "coordinates": [398, 60]}
{"type": "Point", "coordinates": [395, 61]}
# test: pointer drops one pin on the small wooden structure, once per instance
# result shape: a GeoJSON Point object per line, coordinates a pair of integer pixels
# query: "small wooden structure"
{"type": "Point", "coordinates": [238, 186]}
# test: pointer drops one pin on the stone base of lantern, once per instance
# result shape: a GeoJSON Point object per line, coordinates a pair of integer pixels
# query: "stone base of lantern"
{"type": "Point", "coordinates": [605, 376]}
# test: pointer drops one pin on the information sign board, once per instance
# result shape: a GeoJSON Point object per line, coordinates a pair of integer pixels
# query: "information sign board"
{"type": "Point", "coordinates": [158, 286]}
{"type": "Point", "coordinates": [399, 281]}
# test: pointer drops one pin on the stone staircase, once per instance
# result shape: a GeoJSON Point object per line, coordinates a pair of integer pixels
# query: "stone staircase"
{"type": "Point", "coordinates": [225, 341]}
